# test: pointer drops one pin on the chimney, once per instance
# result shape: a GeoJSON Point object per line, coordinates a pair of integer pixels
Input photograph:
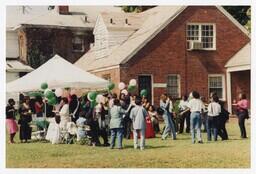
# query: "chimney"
{"type": "Point", "coordinates": [63, 9]}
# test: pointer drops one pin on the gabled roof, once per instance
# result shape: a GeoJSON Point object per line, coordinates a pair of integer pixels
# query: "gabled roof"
{"type": "Point", "coordinates": [40, 16]}
{"type": "Point", "coordinates": [53, 19]}
{"type": "Point", "coordinates": [241, 58]}
{"type": "Point", "coordinates": [14, 65]}
{"type": "Point", "coordinates": [134, 20]}
{"type": "Point", "coordinates": [155, 20]}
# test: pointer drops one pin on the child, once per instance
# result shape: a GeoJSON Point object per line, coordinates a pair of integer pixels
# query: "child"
{"type": "Point", "coordinates": [80, 122]}
{"type": "Point", "coordinates": [204, 114]}
{"type": "Point", "coordinates": [153, 115]}
{"type": "Point", "coordinates": [183, 105]}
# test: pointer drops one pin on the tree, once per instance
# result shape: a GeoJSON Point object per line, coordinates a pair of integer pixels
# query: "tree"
{"type": "Point", "coordinates": [248, 24]}
{"type": "Point", "coordinates": [239, 13]}
{"type": "Point", "coordinates": [137, 9]}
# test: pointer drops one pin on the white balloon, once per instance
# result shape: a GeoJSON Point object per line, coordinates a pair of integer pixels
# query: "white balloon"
{"type": "Point", "coordinates": [124, 91]}
{"type": "Point", "coordinates": [121, 85]}
{"type": "Point", "coordinates": [58, 92]}
{"type": "Point", "coordinates": [133, 82]}
{"type": "Point", "coordinates": [100, 98]}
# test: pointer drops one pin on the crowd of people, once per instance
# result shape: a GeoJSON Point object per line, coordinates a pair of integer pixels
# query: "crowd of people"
{"type": "Point", "coordinates": [126, 116]}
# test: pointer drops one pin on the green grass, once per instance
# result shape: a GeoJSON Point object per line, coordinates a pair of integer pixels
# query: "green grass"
{"type": "Point", "coordinates": [234, 153]}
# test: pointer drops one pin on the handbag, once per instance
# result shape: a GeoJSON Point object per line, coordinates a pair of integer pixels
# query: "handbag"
{"type": "Point", "coordinates": [160, 111]}
{"type": "Point", "coordinates": [246, 113]}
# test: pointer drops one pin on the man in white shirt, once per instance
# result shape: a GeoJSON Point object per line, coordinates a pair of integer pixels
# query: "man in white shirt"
{"type": "Point", "coordinates": [196, 107]}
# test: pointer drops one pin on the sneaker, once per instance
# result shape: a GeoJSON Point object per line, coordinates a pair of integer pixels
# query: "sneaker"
{"type": "Point", "coordinates": [200, 142]}
{"type": "Point", "coordinates": [106, 144]}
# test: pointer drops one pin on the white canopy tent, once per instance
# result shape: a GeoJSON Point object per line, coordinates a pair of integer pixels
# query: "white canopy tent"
{"type": "Point", "coordinates": [57, 73]}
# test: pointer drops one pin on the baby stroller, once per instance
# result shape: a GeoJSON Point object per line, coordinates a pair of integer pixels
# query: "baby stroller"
{"type": "Point", "coordinates": [68, 136]}
{"type": "Point", "coordinates": [84, 132]}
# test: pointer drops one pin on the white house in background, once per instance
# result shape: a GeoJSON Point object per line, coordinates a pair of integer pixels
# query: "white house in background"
{"type": "Point", "coordinates": [14, 68]}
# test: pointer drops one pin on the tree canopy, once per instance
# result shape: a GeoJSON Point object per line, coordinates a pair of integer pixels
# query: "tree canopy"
{"type": "Point", "coordinates": [240, 13]}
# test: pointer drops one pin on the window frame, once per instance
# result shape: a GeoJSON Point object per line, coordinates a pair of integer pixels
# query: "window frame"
{"type": "Point", "coordinates": [223, 85]}
{"type": "Point", "coordinates": [178, 84]}
{"type": "Point", "coordinates": [82, 39]}
{"type": "Point", "coordinates": [200, 34]}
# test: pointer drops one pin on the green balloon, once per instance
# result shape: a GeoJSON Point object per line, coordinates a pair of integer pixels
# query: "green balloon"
{"type": "Point", "coordinates": [111, 86]}
{"type": "Point", "coordinates": [143, 93]}
{"type": "Point", "coordinates": [92, 95]}
{"type": "Point", "coordinates": [131, 88]}
{"type": "Point", "coordinates": [93, 104]}
{"type": "Point", "coordinates": [52, 101]}
{"type": "Point", "coordinates": [49, 94]}
{"type": "Point", "coordinates": [44, 86]}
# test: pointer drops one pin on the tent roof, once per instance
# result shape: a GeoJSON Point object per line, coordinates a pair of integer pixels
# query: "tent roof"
{"type": "Point", "coordinates": [241, 58]}
{"type": "Point", "coordinates": [57, 73]}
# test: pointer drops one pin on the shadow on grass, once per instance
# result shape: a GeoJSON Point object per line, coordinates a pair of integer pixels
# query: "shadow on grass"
{"type": "Point", "coordinates": [147, 147]}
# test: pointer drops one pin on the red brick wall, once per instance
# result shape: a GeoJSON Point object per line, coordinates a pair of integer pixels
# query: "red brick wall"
{"type": "Point", "coordinates": [114, 74]}
{"type": "Point", "coordinates": [240, 83]}
{"type": "Point", "coordinates": [167, 54]}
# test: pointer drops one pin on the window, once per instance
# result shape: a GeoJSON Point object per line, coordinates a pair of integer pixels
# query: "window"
{"type": "Point", "coordinates": [204, 33]}
{"type": "Point", "coordinates": [78, 43]}
{"type": "Point", "coordinates": [216, 84]}
{"type": "Point", "coordinates": [173, 85]}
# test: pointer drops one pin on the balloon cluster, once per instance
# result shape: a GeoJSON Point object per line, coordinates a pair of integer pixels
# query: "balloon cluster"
{"type": "Point", "coordinates": [49, 94]}
{"type": "Point", "coordinates": [92, 98]}
{"type": "Point", "coordinates": [130, 88]}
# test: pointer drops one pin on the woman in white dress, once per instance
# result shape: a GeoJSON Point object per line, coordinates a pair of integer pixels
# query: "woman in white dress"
{"type": "Point", "coordinates": [64, 114]}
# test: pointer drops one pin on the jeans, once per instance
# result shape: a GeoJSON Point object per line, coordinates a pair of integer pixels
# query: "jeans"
{"type": "Point", "coordinates": [142, 138]}
{"type": "Point", "coordinates": [241, 123]}
{"type": "Point", "coordinates": [116, 132]}
{"type": "Point", "coordinates": [169, 126]}
{"type": "Point", "coordinates": [212, 127]}
{"type": "Point", "coordinates": [195, 125]}
{"type": "Point", "coordinates": [187, 117]}
{"type": "Point", "coordinates": [204, 121]}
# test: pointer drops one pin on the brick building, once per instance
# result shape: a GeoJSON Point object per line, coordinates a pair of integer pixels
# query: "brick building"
{"type": "Point", "coordinates": [172, 49]}
{"type": "Point", "coordinates": [65, 30]}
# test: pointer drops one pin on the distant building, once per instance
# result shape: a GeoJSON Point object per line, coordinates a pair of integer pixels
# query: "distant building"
{"type": "Point", "coordinates": [173, 50]}
{"type": "Point", "coordinates": [65, 30]}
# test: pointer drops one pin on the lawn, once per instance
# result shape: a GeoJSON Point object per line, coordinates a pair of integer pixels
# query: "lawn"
{"type": "Point", "coordinates": [234, 153]}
